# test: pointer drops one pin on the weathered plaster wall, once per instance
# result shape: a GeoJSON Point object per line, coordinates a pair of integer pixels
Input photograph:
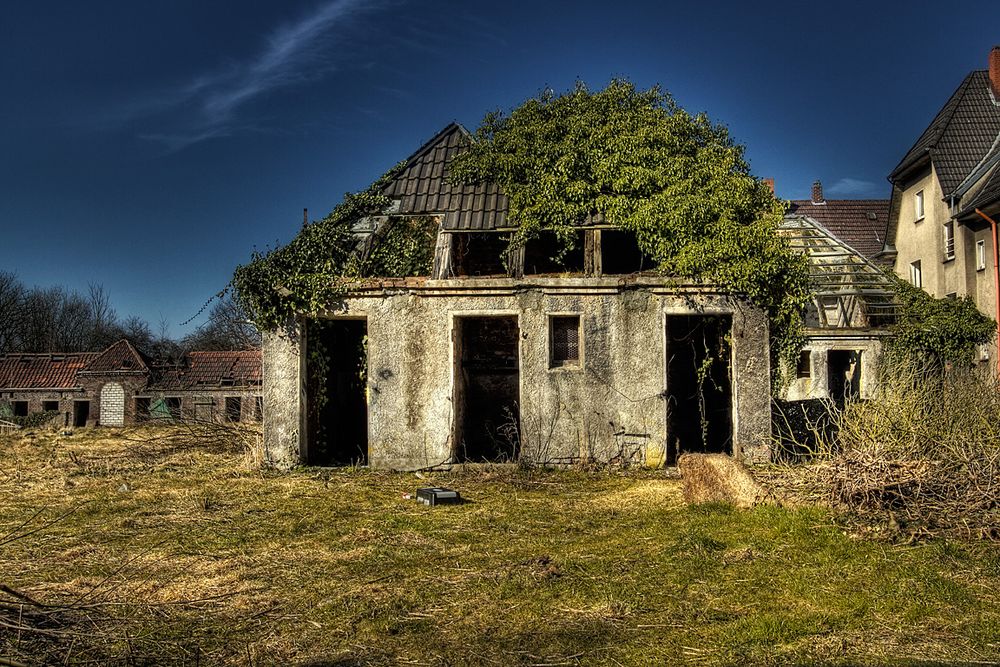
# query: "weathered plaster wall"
{"type": "Point", "coordinates": [283, 397]}
{"type": "Point", "coordinates": [612, 406]}
{"type": "Point", "coordinates": [817, 385]}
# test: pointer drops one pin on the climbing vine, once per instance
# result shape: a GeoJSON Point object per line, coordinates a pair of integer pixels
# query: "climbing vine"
{"type": "Point", "coordinates": [936, 331]}
{"type": "Point", "coordinates": [644, 164]}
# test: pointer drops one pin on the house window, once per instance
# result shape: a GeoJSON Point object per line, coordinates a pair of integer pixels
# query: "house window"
{"type": "Point", "coordinates": [233, 408]}
{"type": "Point", "coordinates": [918, 206]}
{"type": "Point", "coordinates": [916, 278]}
{"type": "Point", "coordinates": [804, 368]}
{"type": "Point", "coordinates": [20, 408]}
{"type": "Point", "coordinates": [173, 404]}
{"type": "Point", "coordinates": [564, 340]}
{"type": "Point", "coordinates": [980, 255]}
{"type": "Point", "coordinates": [951, 295]}
{"type": "Point", "coordinates": [949, 240]}
{"type": "Point", "coordinates": [50, 406]}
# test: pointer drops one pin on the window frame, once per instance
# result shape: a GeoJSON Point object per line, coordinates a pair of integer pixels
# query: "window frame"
{"type": "Point", "coordinates": [565, 364]}
{"type": "Point", "coordinates": [948, 238]}
{"type": "Point", "coordinates": [980, 255]}
{"type": "Point", "coordinates": [916, 274]}
{"type": "Point", "coordinates": [918, 206]}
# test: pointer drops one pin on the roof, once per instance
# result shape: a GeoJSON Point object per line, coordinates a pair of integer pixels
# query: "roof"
{"type": "Point", "coordinates": [988, 194]}
{"type": "Point", "coordinates": [121, 357]}
{"type": "Point", "coordinates": [423, 187]}
{"type": "Point", "coordinates": [241, 368]}
{"type": "Point", "coordinates": [860, 223]}
{"type": "Point", "coordinates": [42, 371]}
{"type": "Point", "coordinates": [960, 136]}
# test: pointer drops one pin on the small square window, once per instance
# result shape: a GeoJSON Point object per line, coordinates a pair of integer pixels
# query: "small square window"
{"type": "Point", "coordinates": [804, 368]}
{"type": "Point", "coordinates": [980, 255]}
{"type": "Point", "coordinates": [564, 340]}
{"type": "Point", "coordinates": [918, 206]}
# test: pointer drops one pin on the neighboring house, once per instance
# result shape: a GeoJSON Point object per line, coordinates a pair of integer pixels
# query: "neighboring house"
{"type": "Point", "coordinates": [946, 191]}
{"type": "Point", "coordinates": [852, 302]}
{"type": "Point", "coordinates": [595, 358]}
{"type": "Point", "coordinates": [119, 386]}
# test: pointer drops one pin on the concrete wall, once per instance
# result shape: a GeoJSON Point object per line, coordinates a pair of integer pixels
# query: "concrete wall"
{"type": "Point", "coordinates": [613, 406]}
{"type": "Point", "coordinates": [819, 345]}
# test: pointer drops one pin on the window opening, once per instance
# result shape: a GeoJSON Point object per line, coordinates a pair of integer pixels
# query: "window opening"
{"type": "Point", "coordinates": [564, 340]}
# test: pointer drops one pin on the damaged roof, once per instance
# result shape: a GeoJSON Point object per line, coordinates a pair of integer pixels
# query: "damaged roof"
{"type": "Point", "coordinates": [961, 135]}
{"type": "Point", "coordinates": [423, 188]}
{"type": "Point", "coordinates": [42, 371]}
{"type": "Point", "coordinates": [860, 223]}
{"type": "Point", "coordinates": [121, 357]}
{"type": "Point", "coordinates": [241, 368]}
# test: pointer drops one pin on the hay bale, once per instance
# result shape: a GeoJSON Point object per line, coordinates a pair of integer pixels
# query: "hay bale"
{"type": "Point", "coordinates": [719, 478]}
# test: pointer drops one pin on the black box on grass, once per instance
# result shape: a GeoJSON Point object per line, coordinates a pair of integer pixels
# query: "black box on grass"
{"type": "Point", "coordinates": [436, 495]}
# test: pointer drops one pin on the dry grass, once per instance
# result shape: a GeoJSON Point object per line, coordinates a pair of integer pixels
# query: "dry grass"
{"type": "Point", "coordinates": [167, 546]}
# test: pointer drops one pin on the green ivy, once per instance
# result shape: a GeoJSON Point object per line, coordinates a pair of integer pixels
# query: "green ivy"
{"type": "Point", "coordinates": [676, 180]}
{"type": "Point", "coordinates": [937, 330]}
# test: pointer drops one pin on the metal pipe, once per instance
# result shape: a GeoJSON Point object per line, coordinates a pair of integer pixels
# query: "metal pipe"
{"type": "Point", "coordinates": [996, 283]}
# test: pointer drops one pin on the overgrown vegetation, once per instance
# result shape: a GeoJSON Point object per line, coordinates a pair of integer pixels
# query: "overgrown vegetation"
{"type": "Point", "coordinates": [919, 459]}
{"type": "Point", "coordinates": [148, 546]}
{"type": "Point", "coordinates": [935, 331]}
{"type": "Point", "coordinates": [677, 181]}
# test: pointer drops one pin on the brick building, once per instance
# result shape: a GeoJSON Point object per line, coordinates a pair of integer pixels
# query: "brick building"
{"type": "Point", "coordinates": [119, 386]}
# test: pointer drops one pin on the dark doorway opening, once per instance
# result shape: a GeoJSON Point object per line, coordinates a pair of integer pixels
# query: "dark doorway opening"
{"type": "Point", "coordinates": [699, 385]}
{"type": "Point", "coordinates": [336, 377]}
{"type": "Point", "coordinates": [81, 413]}
{"type": "Point", "coordinates": [844, 373]}
{"type": "Point", "coordinates": [487, 387]}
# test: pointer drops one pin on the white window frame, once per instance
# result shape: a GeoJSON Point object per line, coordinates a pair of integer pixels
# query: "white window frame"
{"type": "Point", "coordinates": [918, 206]}
{"type": "Point", "coordinates": [949, 240]}
{"type": "Point", "coordinates": [980, 255]}
{"type": "Point", "coordinates": [916, 275]}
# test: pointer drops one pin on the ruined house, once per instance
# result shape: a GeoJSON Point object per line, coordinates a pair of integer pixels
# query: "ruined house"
{"type": "Point", "coordinates": [852, 302]}
{"type": "Point", "coordinates": [119, 386]}
{"type": "Point", "coordinates": [493, 357]}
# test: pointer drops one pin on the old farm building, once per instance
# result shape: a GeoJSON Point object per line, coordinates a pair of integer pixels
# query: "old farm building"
{"type": "Point", "coordinates": [594, 357]}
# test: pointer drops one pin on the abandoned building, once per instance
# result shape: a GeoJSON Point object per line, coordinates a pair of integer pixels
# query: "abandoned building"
{"type": "Point", "coordinates": [119, 387]}
{"type": "Point", "coordinates": [593, 357]}
{"type": "Point", "coordinates": [852, 303]}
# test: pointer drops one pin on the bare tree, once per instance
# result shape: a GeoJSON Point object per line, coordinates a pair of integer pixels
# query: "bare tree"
{"type": "Point", "coordinates": [228, 328]}
{"type": "Point", "coordinates": [11, 295]}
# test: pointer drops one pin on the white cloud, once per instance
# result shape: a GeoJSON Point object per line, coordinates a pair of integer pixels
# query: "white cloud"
{"type": "Point", "coordinates": [856, 187]}
{"type": "Point", "coordinates": [209, 105]}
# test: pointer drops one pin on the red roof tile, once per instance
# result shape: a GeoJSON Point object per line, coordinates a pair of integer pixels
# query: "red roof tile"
{"type": "Point", "coordinates": [212, 369]}
{"type": "Point", "coordinates": [860, 223]}
{"type": "Point", "coordinates": [119, 358]}
{"type": "Point", "coordinates": [42, 371]}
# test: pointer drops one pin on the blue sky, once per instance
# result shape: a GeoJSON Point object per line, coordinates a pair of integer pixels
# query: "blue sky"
{"type": "Point", "coordinates": [150, 146]}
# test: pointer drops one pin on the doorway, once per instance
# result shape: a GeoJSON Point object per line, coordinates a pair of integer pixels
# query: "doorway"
{"type": "Point", "coordinates": [81, 413]}
{"type": "Point", "coordinates": [699, 385]}
{"type": "Point", "coordinates": [336, 400]}
{"type": "Point", "coordinates": [487, 388]}
{"type": "Point", "coordinates": [844, 373]}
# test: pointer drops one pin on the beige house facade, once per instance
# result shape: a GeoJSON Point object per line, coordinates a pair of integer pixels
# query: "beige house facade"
{"type": "Point", "coordinates": [946, 198]}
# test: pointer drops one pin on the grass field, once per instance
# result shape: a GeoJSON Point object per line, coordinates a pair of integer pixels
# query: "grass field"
{"type": "Point", "coordinates": [167, 547]}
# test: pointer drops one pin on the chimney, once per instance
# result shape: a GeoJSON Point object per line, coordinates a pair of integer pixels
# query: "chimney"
{"type": "Point", "coordinates": [769, 182]}
{"type": "Point", "coordinates": [305, 217]}
{"type": "Point", "coordinates": [995, 72]}
{"type": "Point", "coordinates": [817, 194]}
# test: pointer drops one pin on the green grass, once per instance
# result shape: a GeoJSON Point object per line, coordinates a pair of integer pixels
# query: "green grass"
{"type": "Point", "coordinates": [187, 555]}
